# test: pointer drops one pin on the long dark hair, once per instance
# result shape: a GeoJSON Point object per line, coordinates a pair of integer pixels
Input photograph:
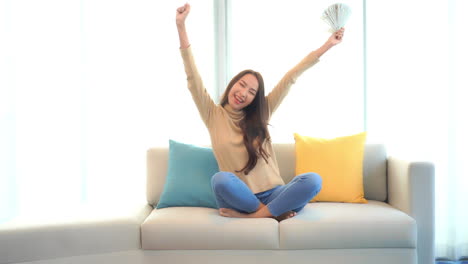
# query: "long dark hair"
{"type": "Point", "coordinates": [254, 124]}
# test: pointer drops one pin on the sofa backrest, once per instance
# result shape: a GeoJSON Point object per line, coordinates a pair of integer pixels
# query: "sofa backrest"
{"type": "Point", "coordinates": [374, 170]}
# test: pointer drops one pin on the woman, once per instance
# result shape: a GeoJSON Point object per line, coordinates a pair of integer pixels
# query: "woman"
{"type": "Point", "coordinates": [249, 184]}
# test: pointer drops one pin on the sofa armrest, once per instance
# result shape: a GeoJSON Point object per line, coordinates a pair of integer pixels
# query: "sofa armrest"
{"type": "Point", "coordinates": [72, 232]}
{"type": "Point", "coordinates": [411, 189]}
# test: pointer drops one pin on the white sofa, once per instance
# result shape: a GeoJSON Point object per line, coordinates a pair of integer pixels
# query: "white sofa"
{"type": "Point", "coordinates": [396, 226]}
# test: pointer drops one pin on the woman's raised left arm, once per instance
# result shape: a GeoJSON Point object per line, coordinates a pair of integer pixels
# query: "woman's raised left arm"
{"type": "Point", "coordinates": [276, 96]}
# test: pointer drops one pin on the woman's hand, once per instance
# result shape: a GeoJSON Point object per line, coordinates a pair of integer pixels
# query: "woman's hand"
{"type": "Point", "coordinates": [182, 13]}
{"type": "Point", "coordinates": [336, 37]}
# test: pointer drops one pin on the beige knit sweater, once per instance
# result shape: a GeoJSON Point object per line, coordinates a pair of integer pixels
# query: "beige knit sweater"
{"type": "Point", "coordinates": [226, 136]}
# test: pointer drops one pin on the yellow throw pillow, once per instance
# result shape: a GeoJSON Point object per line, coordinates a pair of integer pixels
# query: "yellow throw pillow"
{"type": "Point", "coordinates": [338, 161]}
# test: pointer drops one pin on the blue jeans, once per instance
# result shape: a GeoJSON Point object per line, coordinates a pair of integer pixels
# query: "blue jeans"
{"type": "Point", "coordinates": [233, 193]}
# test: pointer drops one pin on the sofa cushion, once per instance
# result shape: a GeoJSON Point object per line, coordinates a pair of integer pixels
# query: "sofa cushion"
{"type": "Point", "coordinates": [188, 180]}
{"type": "Point", "coordinates": [346, 225]}
{"type": "Point", "coordinates": [204, 228]}
{"type": "Point", "coordinates": [374, 169]}
{"type": "Point", "coordinates": [339, 161]}
{"type": "Point", "coordinates": [375, 172]}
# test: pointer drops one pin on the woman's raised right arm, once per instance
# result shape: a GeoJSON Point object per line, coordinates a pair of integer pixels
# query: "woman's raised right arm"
{"type": "Point", "coordinates": [200, 96]}
{"type": "Point", "coordinates": [181, 15]}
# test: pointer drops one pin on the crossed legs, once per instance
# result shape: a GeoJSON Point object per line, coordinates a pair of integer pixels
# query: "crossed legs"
{"type": "Point", "coordinates": [235, 199]}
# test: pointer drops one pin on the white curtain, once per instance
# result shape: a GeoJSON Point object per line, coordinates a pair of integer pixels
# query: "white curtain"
{"type": "Point", "coordinates": [452, 199]}
{"type": "Point", "coordinates": [416, 94]}
{"type": "Point", "coordinates": [86, 87]}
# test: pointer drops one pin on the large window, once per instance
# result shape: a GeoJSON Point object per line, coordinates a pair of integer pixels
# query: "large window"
{"type": "Point", "coordinates": [86, 87]}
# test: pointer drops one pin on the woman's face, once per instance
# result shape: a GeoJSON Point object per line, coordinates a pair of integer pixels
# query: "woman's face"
{"type": "Point", "coordinates": [243, 92]}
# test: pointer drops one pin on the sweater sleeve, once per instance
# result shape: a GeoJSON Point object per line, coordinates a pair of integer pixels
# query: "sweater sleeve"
{"type": "Point", "coordinates": [200, 96]}
{"type": "Point", "coordinates": [276, 96]}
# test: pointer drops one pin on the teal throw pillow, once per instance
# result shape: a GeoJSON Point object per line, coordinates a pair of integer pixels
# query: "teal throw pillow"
{"type": "Point", "coordinates": [188, 180]}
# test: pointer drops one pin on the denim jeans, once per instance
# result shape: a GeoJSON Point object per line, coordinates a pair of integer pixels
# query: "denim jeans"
{"type": "Point", "coordinates": [233, 193]}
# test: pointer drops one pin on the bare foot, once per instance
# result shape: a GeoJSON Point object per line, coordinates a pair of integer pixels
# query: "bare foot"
{"type": "Point", "coordinates": [285, 216]}
{"type": "Point", "coordinates": [261, 213]}
{"type": "Point", "coordinates": [226, 212]}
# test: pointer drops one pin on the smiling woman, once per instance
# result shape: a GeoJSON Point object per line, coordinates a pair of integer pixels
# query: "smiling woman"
{"type": "Point", "coordinates": [240, 138]}
{"type": "Point", "coordinates": [243, 92]}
